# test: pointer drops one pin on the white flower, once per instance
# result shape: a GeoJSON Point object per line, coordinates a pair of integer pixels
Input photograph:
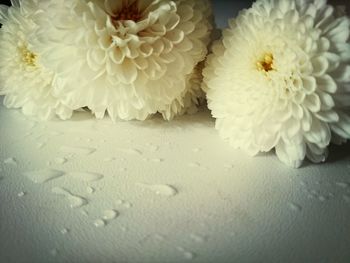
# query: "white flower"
{"type": "Point", "coordinates": [129, 58]}
{"type": "Point", "coordinates": [280, 78]}
{"type": "Point", "coordinates": [192, 97]}
{"type": "Point", "coordinates": [24, 81]}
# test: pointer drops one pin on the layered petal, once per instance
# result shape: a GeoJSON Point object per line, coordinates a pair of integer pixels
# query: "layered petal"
{"type": "Point", "coordinates": [279, 78]}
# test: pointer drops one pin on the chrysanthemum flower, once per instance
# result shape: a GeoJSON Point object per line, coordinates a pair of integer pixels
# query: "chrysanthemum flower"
{"type": "Point", "coordinates": [190, 99]}
{"type": "Point", "coordinates": [25, 83]}
{"type": "Point", "coordinates": [280, 78]}
{"type": "Point", "coordinates": [129, 58]}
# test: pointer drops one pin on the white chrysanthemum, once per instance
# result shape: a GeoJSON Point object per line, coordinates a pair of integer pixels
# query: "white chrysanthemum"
{"type": "Point", "coordinates": [130, 58]}
{"type": "Point", "coordinates": [24, 81]}
{"type": "Point", "coordinates": [280, 78]}
{"type": "Point", "coordinates": [190, 99]}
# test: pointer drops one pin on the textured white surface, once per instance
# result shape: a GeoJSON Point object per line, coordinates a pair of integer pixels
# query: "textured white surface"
{"type": "Point", "coordinates": [170, 192]}
{"type": "Point", "coordinates": [228, 207]}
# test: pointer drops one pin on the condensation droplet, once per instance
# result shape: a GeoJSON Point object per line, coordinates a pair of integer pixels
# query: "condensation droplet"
{"type": "Point", "coordinates": [43, 176]}
{"type": "Point", "coordinates": [77, 150]}
{"type": "Point", "coordinates": [99, 223]}
{"type": "Point", "coordinates": [40, 145]}
{"type": "Point", "coordinates": [54, 252]}
{"type": "Point", "coordinates": [187, 254]}
{"type": "Point", "coordinates": [196, 150]}
{"type": "Point", "coordinates": [74, 200]}
{"type": "Point", "coordinates": [11, 161]}
{"type": "Point", "coordinates": [110, 214]}
{"type": "Point", "coordinates": [295, 207]}
{"type": "Point", "coordinates": [85, 213]}
{"type": "Point", "coordinates": [110, 159]}
{"type": "Point", "coordinates": [159, 237]}
{"type": "Point", "coordinates": [194, 165]}
{"type": "Point", "coordinates": [127, 205]}
{"type": "Point", "coordinates": [85, 176]}
{"type": "Point", "coordinates": [322, 198]}
{"type": "Point", "coordinates": [21, 194]}
{"type": "Point", "coordinates": [342, 184]}
{"type": "Point", "coordinates": [132, 151]}
{"type": "Point", "coordinates": [346, 198]}
{"type": "Point", "coordinates": [90, 190]}
{"type": "Point", "coordinates": [198, 238]}
{"type": "Point", "coordinates": [60, 160]}
{"type": "Point", "coordinates": [120, 202]}
{"type": "Point", "coordinates": [229, 166]}
{"type": "Point", "coordinates": [54, 133]}
{"type": "Point", "coordinates": [153, 148]}
{"type": "Point", "coordinates": [160, 189]}
{"type": "Point", "coordinates": [64, 231]}
{"type": "Point", "coordinates": [157, 160]}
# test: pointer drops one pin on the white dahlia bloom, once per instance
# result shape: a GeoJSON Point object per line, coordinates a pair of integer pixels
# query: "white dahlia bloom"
{"type": "Point", "coordinates": [129, 58]}
{"type": "Point", "coordinates": [280, 78]}
{"type": "Point", "coordinates": [25, 83]}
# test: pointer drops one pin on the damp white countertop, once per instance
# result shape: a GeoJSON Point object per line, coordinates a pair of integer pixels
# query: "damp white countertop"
{"type": "Point", "coordinates": [92, 191]}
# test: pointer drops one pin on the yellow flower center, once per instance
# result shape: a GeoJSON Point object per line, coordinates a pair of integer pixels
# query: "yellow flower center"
{"type": "Point", "coordinates": [266, 63]}
{"type": "Point", "coordinates": [28, 57]}
{"type": "Point", "coordinates": [128, 12]}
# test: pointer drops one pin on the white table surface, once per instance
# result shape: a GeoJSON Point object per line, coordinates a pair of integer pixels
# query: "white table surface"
{"type": "Point", "coordinates": [228, 207]}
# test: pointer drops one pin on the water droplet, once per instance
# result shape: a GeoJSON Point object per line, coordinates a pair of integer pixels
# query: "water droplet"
{"type": "Point", "coordinates": [346, 198]}
{"type": "Point", "coordinates": [124, 229]}
{"type": "Point", "coordinates": [127, 205]}
{"type": "Point", "coordinates": [43, 176]}
{"type": "Point", "coordinates": [99, 223]}
{"type": "Point", "coordinates": [85, 213]}
{"type": "Point", "coordinates": [194, 165]}
{"type": "Point", "coordinates": [111, 159]}
{"type": "Point", "coordinates": [160, 189]}
{"type": "Point", "coordinates": [157, 160]}
{"type": "Point", "coordinates": [330, 195]}
{"type": "Point", "coordinates": [28, 134]}
{"type": "Point", "coordinates": [303, 184]}
{"type": "Point", "coordinates": [159, 237]}
{"type": "Point", "coordinates": [187, 254]}
{"type": "Point", "coordinates": [74, 200]}
{"type": "Point", "coordinates": [90, 190]}
{"type": "Point", "coordinates": [54, 133]}
{"type": "Point", "coordinates": [64, 231]}
{"type": "Point", "coordinates": [110, 214]}
{"type": "Point", "coordinates": [85, 176]}
{"type": "Point", "coordinates": [54, 252]}
{"type": "Point", "coordinates": [21, 194]}
{"type": "Point", "coordinates": [295, 207]}
{"type": "Point", "coordinates": [153, 148]}
{"type": "Point", "coordinates": [11, 161]}
{"type": "Point", "coordinates": [60, 160]}
{"type": "Point", "coordinates": [77, 150]}
{"type": "Point", "coordinates": [197, 150]}
{"type": "Point", "coordinates": [120, 202]}
{"type": "Point", "coordinates": [229, 166]}
{"type": "Point", "coordinates": [342, 184]}
{"type": "Point", "coordinates": [132, 151]}
{"type": "Point", "coordinates": [322, 198]}
{"type": "Point", "coordinates": [40, 145]}
{"type": "Point", "coordinates": [233, 234]}
{"type": "Point", "coordinates": [198, 238]}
